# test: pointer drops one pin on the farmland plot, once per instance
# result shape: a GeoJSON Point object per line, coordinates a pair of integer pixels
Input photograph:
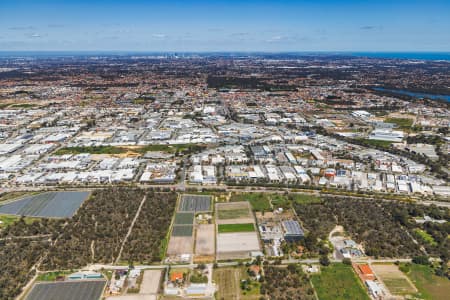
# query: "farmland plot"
{"type": "Point", "coordinates": [195, 203]}
{"type": "Point", "coordinates": [69, 290]}
{"type": "Point", "coordinates": [47, 205]}
{"type": "Point", "coordinates": [204, 243]}
{"type": "Point", "coordinates": [395, 281]}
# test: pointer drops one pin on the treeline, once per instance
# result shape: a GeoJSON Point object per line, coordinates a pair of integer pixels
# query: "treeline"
{"type": "Point", "coordinates": [145, 244]}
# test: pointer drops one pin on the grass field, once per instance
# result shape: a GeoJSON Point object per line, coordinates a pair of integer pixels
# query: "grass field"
{"type": "Point", "coordinates": [379, 143]}
{"type": "Point", "coordinates": [225, 214]}
{"type": "Point", "coordinates": [258, 201]}
{"type": "Point", "coordinates": [227, 228]}
{"type": "Point", "coordinates": [51, 276]}
{"type": "Point", "coordinates": [430, 286]}
{"type": "Point", "coordinates": [184, 218]}
{"type": "Point", "coordinates": [403, 123]}
{"type": "Point", "coordinates": [338, 281]}
{"type": "Point", "coordinates": [7, 220]}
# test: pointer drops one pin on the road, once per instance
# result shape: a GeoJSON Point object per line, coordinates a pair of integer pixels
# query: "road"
{"type": "Point", "coordinates": [182, 187]}
{"type": "Point", "coordinates": [131, 228]}
{"type": "Point", "coordinates": [234, 263]}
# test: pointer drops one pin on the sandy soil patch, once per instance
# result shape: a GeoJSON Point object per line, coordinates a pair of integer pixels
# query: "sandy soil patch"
{"type": "Point", "coordinates": [180, 245]}
{"type": "Point", "coordinates": [150, 282]}
{"type": "Point", "coordinates": [204, 242]}
{"type": "Point", "coordinates": [237, 243]}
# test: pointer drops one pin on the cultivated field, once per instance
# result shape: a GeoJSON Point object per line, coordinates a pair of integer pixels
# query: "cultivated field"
{"type": "Point", "coordinates": [228, 228]}
{"type": "Point", "coordinates": [182, 230]}
{"type": "Point", "coordinates": [150, 282]}
{"type": "Point", "coordinates": [227, 280]}
{"type": "Point", "coordinates": [236, 245]}
{"type": "Point", "coordinates": [195, 203]}
{"type": "Point", "coordinates": [184, 218]}
{"type": "Point", "coordinates": [205, 242]}
{"type": "Point", "coordinates": [393, 279]}
{"type": "Point", "coordinates": [69, 290]}
{"type": "Point", "coordinates": [234, 213]}
{"type": "Point", "coordinates": [47, 205]}
{"type": "Point", "coordinates": [180, 245]}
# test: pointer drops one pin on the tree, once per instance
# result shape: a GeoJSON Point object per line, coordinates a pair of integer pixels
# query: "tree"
{"type": "Point", "coordinates": [421, 260]}
{"type": "Point", "coordinates": [347, 261]}
{"type": "Point", "coordinates": [324, 260]}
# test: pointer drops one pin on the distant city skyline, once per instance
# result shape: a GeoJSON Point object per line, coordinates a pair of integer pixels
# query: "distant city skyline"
{"type": "Point", "coordinates": [183, 26]}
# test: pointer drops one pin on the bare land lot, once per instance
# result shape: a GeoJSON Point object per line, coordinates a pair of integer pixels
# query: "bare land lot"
{"type": "Point", "coordinates": [393, 279]}
{"type": "Point", "coordinates": [180, 245]}
{"type": "Point", "coordinates": [236, 245]}
{"type": "Point", "coordinates": [150, 282]}
{"type": "Point", "coordinates": [204, 242]}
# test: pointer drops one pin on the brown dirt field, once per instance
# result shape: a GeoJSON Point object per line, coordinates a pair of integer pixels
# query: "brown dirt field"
{"type": "Point", "coordinates": [205, 242]}
{"type": "Point", "coordinates": [236, 245]}
{"type": "Point", "coordinates": [150, 282]}
{"type": "Point", "coordinates": [227, 281]}
{"type": "Point", "coordinates": [180, 245]}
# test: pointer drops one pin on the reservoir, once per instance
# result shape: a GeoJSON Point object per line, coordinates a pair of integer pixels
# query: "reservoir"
{"type": "Point", "coordinates": [414, 94]}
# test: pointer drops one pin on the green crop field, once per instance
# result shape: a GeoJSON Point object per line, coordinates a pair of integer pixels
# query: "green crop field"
{"type": "Point", "coordinates": [403, 123]}
{"type": "Point", "coordinates": [246, 227]}
{"type": "Point", "coordinates": [338, 282]}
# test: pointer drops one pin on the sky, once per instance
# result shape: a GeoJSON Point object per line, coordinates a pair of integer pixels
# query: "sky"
{"type": "Point", "coordinates": [185, 26]}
